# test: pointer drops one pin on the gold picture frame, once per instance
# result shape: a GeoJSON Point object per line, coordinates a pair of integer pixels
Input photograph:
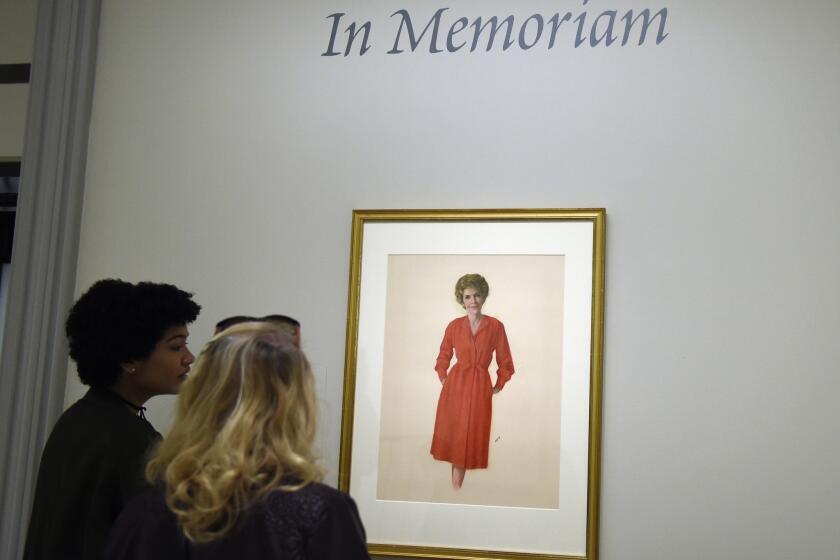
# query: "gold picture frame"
{"type": "Point", "coordinates": [399, 263]}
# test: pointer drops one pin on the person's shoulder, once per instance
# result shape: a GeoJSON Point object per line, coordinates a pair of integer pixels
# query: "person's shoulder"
{"type": "Point", "coordinates": [79, 411]}
{"type": "Point", "coordinates": [100, 406]}
{"type": "Point", "coordinates": [456, 322]}
{"type": "Point", "coordinates": [309, 504]}
{"type": "Point", "coordinates": [148, 511]}
{"type": "Point", "coordinates": [325, 492]}
{"type": "Point", "coordinates": [151, 501]}
{"type": "Point", "coordinates": [325, 518]}
{"type": "Point", "coordinates": [95, 425]}
{"type": "Point", "coordinates": [493, 321]}
{"type": "Point", "coordinates": [146, 528]}
{"type": "Point", "coordinates": [335, 502]}
{"type": "Point", "coordinates": [82, 422]}
{"type": "Point", "coordinates": [495, 325]}
{"type": "Point", "coordinates": [317, 493]}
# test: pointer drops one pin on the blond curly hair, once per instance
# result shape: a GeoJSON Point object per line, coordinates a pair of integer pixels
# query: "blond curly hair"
{"type": "Point", "coordinates": [244, 426]}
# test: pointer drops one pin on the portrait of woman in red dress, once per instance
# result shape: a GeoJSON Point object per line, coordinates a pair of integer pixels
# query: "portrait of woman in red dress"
{"type": "Point", "coordinates": [464, 411]}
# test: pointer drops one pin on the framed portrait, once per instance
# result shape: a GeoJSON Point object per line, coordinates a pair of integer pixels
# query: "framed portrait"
{"type": "Point", "coordinates": [471, 421]}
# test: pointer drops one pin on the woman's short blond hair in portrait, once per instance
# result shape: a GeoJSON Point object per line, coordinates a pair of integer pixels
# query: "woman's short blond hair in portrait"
{"type": "Point", "coordinates": [474, 281]}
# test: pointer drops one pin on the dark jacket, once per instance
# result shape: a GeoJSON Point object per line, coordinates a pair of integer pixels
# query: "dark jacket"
{"type": "Point", "coordinates": [91, 467]}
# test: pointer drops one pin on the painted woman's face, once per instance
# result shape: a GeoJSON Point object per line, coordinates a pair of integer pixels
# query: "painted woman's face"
{"type": "Point", "coordinates": [472, 300]}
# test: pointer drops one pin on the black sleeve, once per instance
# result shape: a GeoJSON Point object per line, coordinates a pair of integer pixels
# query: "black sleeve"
{"type": "Point", "coordinates": [340, 534]}
{"type": "Point", "coordinates": [146, 529]}
{"type": "Point", "coordinates": [134, 454]}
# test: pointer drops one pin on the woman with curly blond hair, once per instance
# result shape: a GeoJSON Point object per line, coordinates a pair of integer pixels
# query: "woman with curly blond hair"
{"type": "Point", "coordinates": [237, 476]}
{"type": "Point", "coordinates": [462, 423]}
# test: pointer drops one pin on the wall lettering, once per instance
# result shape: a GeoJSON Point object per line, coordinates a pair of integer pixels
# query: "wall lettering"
{"type": "Point", "coordinates": [445, 32]}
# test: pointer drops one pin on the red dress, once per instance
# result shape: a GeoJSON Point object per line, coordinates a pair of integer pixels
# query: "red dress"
{"type": "Point", "coordinates": [462, 424]}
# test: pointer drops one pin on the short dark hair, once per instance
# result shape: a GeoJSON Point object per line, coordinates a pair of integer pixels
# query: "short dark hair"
{"type": "Point", "coordinates": [228, 322]}
{"type": "Point", "coordinates": [282, 320]}
{"type": "Point", "coordinates": [287, 324]}
{"type": "Point", "coordinates": [117, 321]}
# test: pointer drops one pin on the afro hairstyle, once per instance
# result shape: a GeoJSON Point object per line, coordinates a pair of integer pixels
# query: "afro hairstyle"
{"type": "Point", "coordinates": [117, 321]}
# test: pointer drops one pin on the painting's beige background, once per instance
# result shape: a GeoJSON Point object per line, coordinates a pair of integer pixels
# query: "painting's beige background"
{"type": "Point", "coordinates": [526, 294]}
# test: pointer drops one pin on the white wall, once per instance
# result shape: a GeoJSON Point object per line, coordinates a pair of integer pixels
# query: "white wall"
{"type": "Point", "coordinates": [226, 156]}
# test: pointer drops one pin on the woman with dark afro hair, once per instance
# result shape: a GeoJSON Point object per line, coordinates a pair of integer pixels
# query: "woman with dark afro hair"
{"type": "Point", "coordinates": [129, 342]}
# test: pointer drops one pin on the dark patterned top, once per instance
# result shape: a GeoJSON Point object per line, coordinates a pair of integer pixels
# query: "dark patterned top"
{"type": "Point", "coordinates": [315, 522]}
